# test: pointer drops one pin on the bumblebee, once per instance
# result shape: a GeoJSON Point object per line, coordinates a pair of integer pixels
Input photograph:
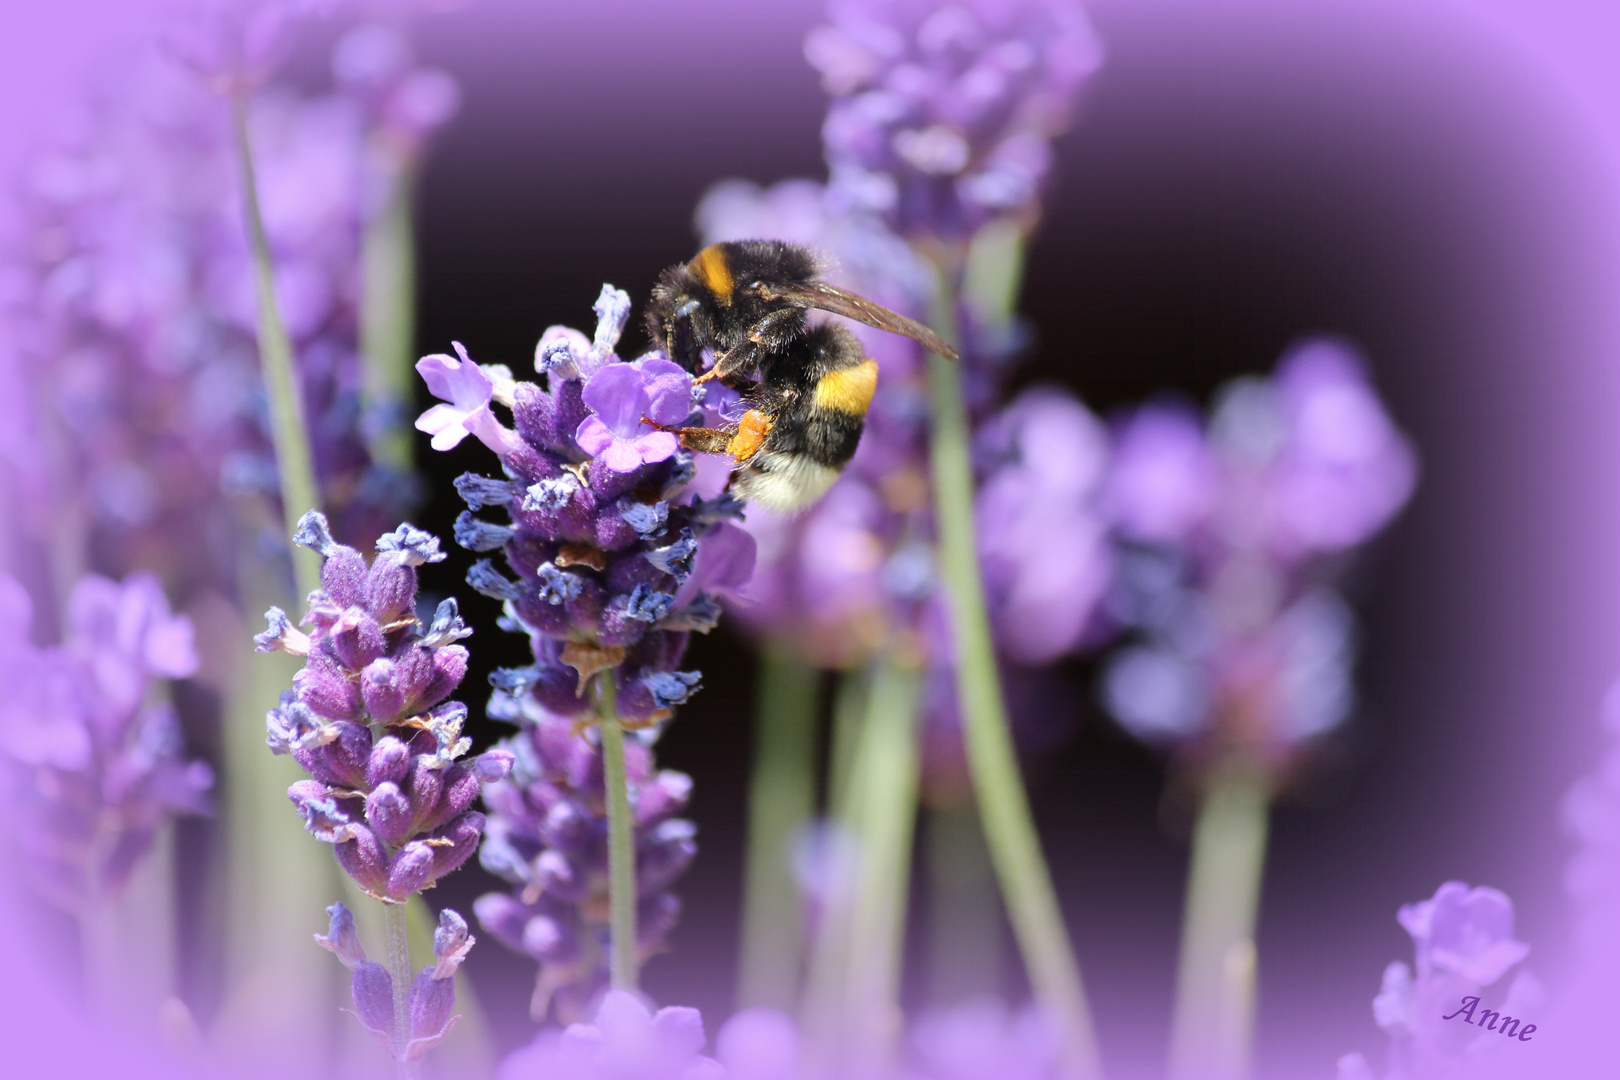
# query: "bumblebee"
{"type": "Point", "coordinates": [807, 387]}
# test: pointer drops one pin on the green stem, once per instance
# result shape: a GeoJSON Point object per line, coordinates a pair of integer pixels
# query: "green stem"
{"type": "Point", "coordinates": [1009, 827]}
{"type": "Point", "coordinates": [822, 1012]}
{"type": "Point", "coordinates": [886, 773]}
{"type": "Point", "coordinates": [288, 431]}
{"type": "Point", "coordinates": [781, 801]}
{"type": "Point", "coordinates": [621, 839]}
{"type": "Point", "coordinates": [399, 970]}
{"type": "Point", "coordinates": [388, 315]}
{"type": "Point", "coordinates": [1214, 1016]}
{"type": "Point", "coordinates": [964, 923]}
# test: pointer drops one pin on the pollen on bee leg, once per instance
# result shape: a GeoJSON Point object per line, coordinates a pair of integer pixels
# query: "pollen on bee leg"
{"type": "Point", "coordinates": [751, 432]}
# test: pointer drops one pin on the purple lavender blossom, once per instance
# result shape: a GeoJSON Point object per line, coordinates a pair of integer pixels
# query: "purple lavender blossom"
{"type": "Point", "coordinates": [1224, 539]}
{"type": "Point", "coordinates": [93, 765]}
{"type": "Point", "coordinates": [369, 718]}
{"type": "Point", "coordinates": [136, 311]}
{"type": "Point", "coordinates": [941, 115]}
{"type": "Point", "coordinates": [615, 563]}
{"type": "Point", "coordinates": [1463, 943]}
{"type": "Point", "coordinates": [982, 1038]}
{"type": "Point", "coordinates": [626, 1040]}
{"type": "Point", "coordinates": [433, 991]}
{"type": "Point", "coordinates": [547, 835]}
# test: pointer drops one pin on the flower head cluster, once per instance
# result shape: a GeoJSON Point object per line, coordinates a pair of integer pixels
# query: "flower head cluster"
{"type": "Point", "coordinates": [1463, 940]}
{"type": "Point", "coordinates": [942, 114]}
{"type": "Point", "coordinates": [625, 1040]}
{"type": "Point", "coordinates": [614, 562]}
{"type": "Point", "coordinates": [432, 994]}
{"type": "Point", "coordinates": [136, 313]}
{"type": "Point", "coordinates": [1226, 535]}
{"type": "Point", "coordinates": [547, 835]}
{"type": "Point", "coordinates": [93, 760]}
{"type": "Point", "coordinates": [368, 717]}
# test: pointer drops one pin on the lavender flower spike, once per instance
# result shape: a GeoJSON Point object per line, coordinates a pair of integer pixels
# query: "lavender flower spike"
{"type": "Point", "coordinates": [624, 1041]}
{"type": "Point", "coordinates": [90, 766]}
{"type": "Point", "coordinates": [369, 720]}
{"type": "Point", "coordinates": [1437, 1019]}
{"type": "Point", "coordinates": [613, 562]}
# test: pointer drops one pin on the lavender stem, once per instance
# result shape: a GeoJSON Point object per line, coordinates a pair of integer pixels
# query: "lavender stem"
{"type": "Point", "coordinates": [1009, 827]}
{"type": "Point", "coordinates": [621, 839]}
{"type": "Point", "coordinates": [823, 1012]}
{"type": "Point", "coordinates": [781, 800]}
{"type": "Point", "coordinates": [388, 319]}
{"type": "Point", "coordinates": [1214, 1014]}
{"type": "Point", "coordinates": [288, 430]}
{"type": "Point", "coordinates": [964, 925]}
{"type": "Point", "coordinates": [399, 970]}
{"type": "Point", "coordinates": [885, 779]}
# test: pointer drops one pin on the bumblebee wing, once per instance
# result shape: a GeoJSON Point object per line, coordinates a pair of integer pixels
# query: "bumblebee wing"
{"type": "Point", "coordinates": [819, 294]}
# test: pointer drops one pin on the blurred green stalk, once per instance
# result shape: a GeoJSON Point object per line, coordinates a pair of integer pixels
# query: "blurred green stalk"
{"type": "Point", "coordinates": [1009, 827]}
{"type": "Point", "coordinates": [964, 912]}
{"type": "Point", "coordinates": [885, 775]}
{"type": "Point", "coordinates": [822, 1010]}
{"type": "Point", "coordinates": [277, 881]}
{"type": "Point", "coordinates": [622, 962]}
{"type": "Point", "coordinates": [388, 315]}
{"type": "Point", "coordinates": [289, 433]}
{"type": "Point", "coordinates": [1213, 1025]}
{"type": "Point", "coordinates": [781, 802]}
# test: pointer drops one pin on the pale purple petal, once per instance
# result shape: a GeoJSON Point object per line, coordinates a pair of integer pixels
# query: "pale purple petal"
{"type": "Point", "coordinates": [594, 437]}
{"type": "Point", "coordinates": [617, 395]}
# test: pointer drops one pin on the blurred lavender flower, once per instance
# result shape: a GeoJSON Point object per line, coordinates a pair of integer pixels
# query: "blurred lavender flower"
{"type": "Point", "coordinates": [547, 834]}
{"type": "Point", "coordinates": [369, 720]}
{"type": "Point", "coordinates": [134, 300]}
{"type": "Point", "coordinates": [616, 563]}
{"type": "Point", "coordinates": [1225, 538]}
{"type": "Point", "coordinates": [93, 761]}
{"type": "Point", "coordinates": [626, 1040]}
{"type": "Point", "coordinates": [982, 1038]}
{"type": "Point", "coordinates": [1463, 941]}
{"type": "Point", "coordinates": [432, 994]}
{"type": "Point", "coordinates": [941, 114]}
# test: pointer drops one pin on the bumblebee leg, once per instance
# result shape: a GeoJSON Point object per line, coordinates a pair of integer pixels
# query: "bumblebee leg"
{"type": "Point", "coordinates": [736, 361]}
{"type": "Point", "coordinates": [779, 328]}
{"type": "Point", "coordinates": [704, 440]}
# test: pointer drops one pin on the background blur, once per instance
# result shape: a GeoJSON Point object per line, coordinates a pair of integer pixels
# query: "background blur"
{"type": "Point", "coordinates": [1433, 182]}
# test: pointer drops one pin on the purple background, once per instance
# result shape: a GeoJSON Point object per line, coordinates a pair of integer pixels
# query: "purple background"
{"type": "Point", "coordinates": [1436, 182]}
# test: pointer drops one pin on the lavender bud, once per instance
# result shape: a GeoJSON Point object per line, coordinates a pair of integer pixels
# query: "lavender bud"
{"type": "Point", "coordinates": [648, 605]}
{"type": "Point", "coordinates": [372, 989]}
{"type": "Point", "coordinates": [314, 532]}
{"type": "Point", "coordinates": [388, 813]}
{"type": "Point", "coordinates": [492, 765]}
{"type": "Point", "coordinates": [553, 494]}
{"type": "Point", "coordinates": [481, 491]}
{"type": "Point", "coordinates": [357, 639]}
{"type": "Point", "coordinates": [486, 579]}
{"type": "Point", "coordinates": [451, 943]}
{"type": "Point", "coordinates": [676, 559]}
{"type": "Point", "coordinates": [476, 535]}
{"type": "Point", "coordinates": [431, 1000]}
{"type": "Point", "coordinates": [414, 546]}
{"type": "Point", "coordinates": [647, 520]}
{"type": "Point", "coordinates": [384, 698]}
{"type": "Point", "coordinates": [292, 725]}
{"type": "Point", "coordinates": [388, 762]}
{"type": "Point", "coordinates": [410, 870]}
{"type": "Point", "coordinates": [671, 688]}
{"type": "Point", "coordinates": [325, 820]}
{"type": "Point", "coordinates": [342, 939]}
{"type": "Point", "coordinates": [281, 635]}
{"type": "Point", "coordinates": [558, 586]}
{"type": "Point", "coordinates": [447, 627]}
